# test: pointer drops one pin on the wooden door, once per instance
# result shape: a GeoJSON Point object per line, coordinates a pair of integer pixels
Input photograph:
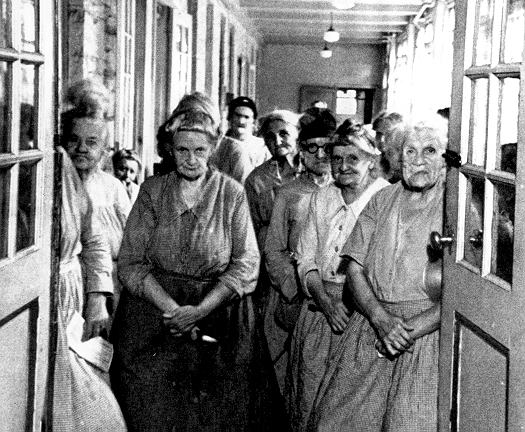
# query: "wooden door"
{"type": "Point", "coordinates": [482, 358]}
{"type": "Point", "coordinates": [26, 197]}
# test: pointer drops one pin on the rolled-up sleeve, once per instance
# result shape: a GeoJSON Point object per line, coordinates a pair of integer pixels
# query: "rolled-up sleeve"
{"type": "Point", "coordinates": [133, 264]}
{"type": "Point", "coordinates": [307, 245]}
{"type": "Point", "coordinates": [96, 255]}
{"type": "Point", "coordinates": [243, 270]}
{"type": "Point", "coordinates": [279, 262]}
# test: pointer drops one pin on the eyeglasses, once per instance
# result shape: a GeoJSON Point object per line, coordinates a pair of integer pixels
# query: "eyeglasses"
{"type": "Point", "coordinates": [313, 145]}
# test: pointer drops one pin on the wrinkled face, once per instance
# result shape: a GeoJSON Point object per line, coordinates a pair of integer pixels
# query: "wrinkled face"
{"type": "Point", "coordinates": [191, 151]}
{"type": "Point", "coordinates": [350, 166]}
{"type": "Point", "coordinates": [423, 163]}
{"type": "Point", "coordinates": [241, 123]}
{"type": "Point", "coordinates": [126, 171]}
{"type": "Point", "coordinates": [86, 144]}
{"type": "Point", "coordinates": [281, 138]}
{"type": "Point", "coordinates": [315, 158]}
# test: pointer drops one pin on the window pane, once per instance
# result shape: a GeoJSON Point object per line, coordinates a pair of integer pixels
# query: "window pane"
{"type": "Point", "coordinates": [27, 108]}
{"type": "Point", "coordinates": [484, 36]}
{"type": "Point", "coordinates": [503, 232]}
{"type": "Point", "coordinates": [514, 32]}
{"type": "Point", "coordinates": [25, 228]}
{"type": "Point", "coordinates": [474, 222]}
{"type": "Point", "coordinates": [508, 133]}
{"type": "Point", "coordinates": [5, 98]}
{"type": "Point", "coordinates": [346, 103]}
{"type": "Point", "coordinates": [479, 122]}
{"type": "Point", "coordinates": [28, 26]}
{"type": "Point", "coordinates": [4, 211]}
{"type": "Point", "coordinates": [5, 24]}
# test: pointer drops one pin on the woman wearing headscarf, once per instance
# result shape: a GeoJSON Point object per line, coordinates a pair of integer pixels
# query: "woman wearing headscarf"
{"type": "Point", "coordinates": [332, 213]}
{"type": "Point", "coordinates": [288, 217]}
{"type": "Point", "coordinates": [187, 352]}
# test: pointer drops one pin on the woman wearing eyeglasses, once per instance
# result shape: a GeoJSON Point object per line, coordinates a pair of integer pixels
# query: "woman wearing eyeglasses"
{"type": "Point", "coordinates": [332, 213]}
{"type": "Point", "coordinates": [288, 216]}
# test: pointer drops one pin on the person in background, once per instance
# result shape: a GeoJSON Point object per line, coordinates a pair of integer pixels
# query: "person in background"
{"type": "Point", "coordinates": [288, 216]}
{"type": "Point", "coordinates": [188, 353]}
{"type": "Point", "coordinates": [86, 141]}
{"type": "Point", "coordinates": [280, 131]}
{"type": "Point", "coordinates": [390, 153]}
{"type": "Point", "coordinates": [332, 213]}
{"type": "Point", "coordinates": [82, 396]}
{"type": "Point", "coordinates": [127, 166]}
{"type": "Point", "coordinates": [383, 374]}
{"type": "Point", "coordinates": [240, 151]}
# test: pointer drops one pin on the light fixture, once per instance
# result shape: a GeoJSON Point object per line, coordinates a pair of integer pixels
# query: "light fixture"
{"type": "Point", "coordinates": [331, 35]}
{"type": "Point", "coordinates": [343, 4]}
{"type": "Point", "coordinates": [326, 52]}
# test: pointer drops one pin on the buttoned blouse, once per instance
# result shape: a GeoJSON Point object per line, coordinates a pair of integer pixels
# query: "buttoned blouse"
{"type": "Point", "coordinates": [394, 254]}
{"type": "Point", "coordinates": [329, 223]}
{"type": "Point", "coordinates": [212, 239]}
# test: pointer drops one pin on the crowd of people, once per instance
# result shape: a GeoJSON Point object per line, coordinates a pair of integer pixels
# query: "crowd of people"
{"type": "Point", "coordinates": [271, 276]}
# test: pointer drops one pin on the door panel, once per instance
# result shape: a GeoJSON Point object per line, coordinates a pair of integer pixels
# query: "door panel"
{"type": "Point", "coordinates": [482, 359]}
{"type": "Point", "coordinates": [27, 125]}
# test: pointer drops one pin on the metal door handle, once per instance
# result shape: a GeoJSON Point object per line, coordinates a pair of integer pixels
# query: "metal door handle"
{"type": "Point", "coordinates": [438, 242]}
{"type": "Point", "coordinates": [476, 239]}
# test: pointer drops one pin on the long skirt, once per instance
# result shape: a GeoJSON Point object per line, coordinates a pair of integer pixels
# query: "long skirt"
{"type": "Point", "coordinates": [165, 383]}
{"type": "Point", "coordinates": [82, 397]}
{"type": "Point", "coordinates": [363, 391]}
{"type": "Point", "coordinates": [312, 342]}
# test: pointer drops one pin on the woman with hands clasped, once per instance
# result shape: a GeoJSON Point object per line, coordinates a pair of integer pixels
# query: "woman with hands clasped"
{"type": "Point", "coordinates": [187, 352]}
{"type": "Point", "coordinates": [383, 375]}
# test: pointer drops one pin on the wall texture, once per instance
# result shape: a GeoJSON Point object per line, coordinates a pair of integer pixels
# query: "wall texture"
{"type": "Point", "coordinates": [283, 69]}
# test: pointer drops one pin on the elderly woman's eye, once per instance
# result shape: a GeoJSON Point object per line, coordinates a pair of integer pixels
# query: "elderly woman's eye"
{"type": "Point", "coordinates": [92, 142]}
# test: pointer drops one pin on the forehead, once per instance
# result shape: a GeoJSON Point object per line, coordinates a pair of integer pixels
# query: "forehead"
{"type": "Point", "coordinates": [243, 111]}
{"type": "Point", "coordinates": [190, 139]}
{"type": "Point", "coordinates": [279, 125]}
{"type": "Point", "coordinates": [347, 150]}
{"type": "Point", "coordinates": [88, 127]}
{"type": "Point", "coordinates": [128, 163]}
{"type": "Point", "coordinates": [422, 139]}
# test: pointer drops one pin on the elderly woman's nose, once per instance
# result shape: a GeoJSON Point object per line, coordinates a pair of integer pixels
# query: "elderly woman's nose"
{"type": "Point", "coordinates": [321, 153]}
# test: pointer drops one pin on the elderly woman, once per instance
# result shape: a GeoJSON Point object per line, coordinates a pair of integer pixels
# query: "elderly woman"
{"type": "Point", "coordinates": [82, 397]}
{"type": "Point", "coordinates": [126, 167]}
{"type": "Point", "coordinates": [288, 217]}
{"type": "Point", "coordinates": [383, 374]}
{"type": "Point", "coordinates": [187, 355]}
{"type": "Point", "coordinates": [332, 213]}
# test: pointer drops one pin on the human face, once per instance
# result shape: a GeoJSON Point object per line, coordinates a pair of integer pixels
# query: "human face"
{"type": "Point", "coordinates": [350, 166]}
{"type": "Point", "coordinates": [127, 170]}
{"type": "Point", "coordinates": [318, 162]}
{"type": "Point", "coordinates": [281, 138]}
{"type": "Point", "coordinates": [423, 164]}
{"type": "Point", "coordinates": [241, 123]}
{"type": "Point", "coordinates": [191, 151]}
{"type": "Point", "coordinates": [86, 144]}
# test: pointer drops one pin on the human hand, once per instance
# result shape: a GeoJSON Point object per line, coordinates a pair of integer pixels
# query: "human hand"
{"type": "Point", "coordinates": [394, 335]}
{"type": "Point", "coordinates": [336, 314]}
{"type": "Point", "coordinates": [96, 316]}
{"type": "Point", "coordinates": [182, 320]}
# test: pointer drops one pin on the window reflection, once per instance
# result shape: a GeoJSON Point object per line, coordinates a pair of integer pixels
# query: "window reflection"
{"type": "Point", "coordinates": [514, 30]}
{"type": "Point", "coordinates": [27, 108]}
{"type": "Point", "coordinates": [5, 70]}
{"type": "Point", "coordinates": [473, 249]}
{"type": "Point", "coordinates": [25, 229]}
{"type": "Point", "coordinates": [4, 211]}
{"type": "Point", "coordinates": [484, 37]}
{"type": "Point", "coordinates": [28, 26]}
{"type": "Point", "coordinates": [5, 28]}
{"type": "Point", "coordinates": [479, 122]}
{"type": "Point", "coordinates": [503, 232]}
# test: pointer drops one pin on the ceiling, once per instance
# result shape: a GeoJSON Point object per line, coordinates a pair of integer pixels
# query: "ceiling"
{"type": "Point", "coordinates": [305, 21]}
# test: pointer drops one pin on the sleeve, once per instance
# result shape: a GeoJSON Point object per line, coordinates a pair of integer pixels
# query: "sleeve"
{"type": "Point", "coordinates": [356, 246]}
{"type": "Point", "coordinates": [307, 245]}
{"type": "Point", "coordinates": [279, 262]}
{"type": "Point", "coordinates": [96, 254]}
{"type": "Point", "coordinates": [243, 269]}
{"type": "Point", "coordinates": [133, 263]}
{"type": "Point", "coordinates": [255, 212]}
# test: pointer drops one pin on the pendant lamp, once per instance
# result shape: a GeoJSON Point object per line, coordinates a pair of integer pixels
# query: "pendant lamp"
{"type": "Point", "coordinates": [343, 4]}
{"type": "Point", "coordinates": [331, 35]}
{"type": "Point", "coordinates": [326, 52]}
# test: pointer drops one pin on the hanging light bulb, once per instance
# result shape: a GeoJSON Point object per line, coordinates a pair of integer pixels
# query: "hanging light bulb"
{"type": "Point", "coordinates": [343, 4]}
{"type": "Point", "coordinates": [326, 52]}
{"type": "Point", "coordinates": [331, 35]}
